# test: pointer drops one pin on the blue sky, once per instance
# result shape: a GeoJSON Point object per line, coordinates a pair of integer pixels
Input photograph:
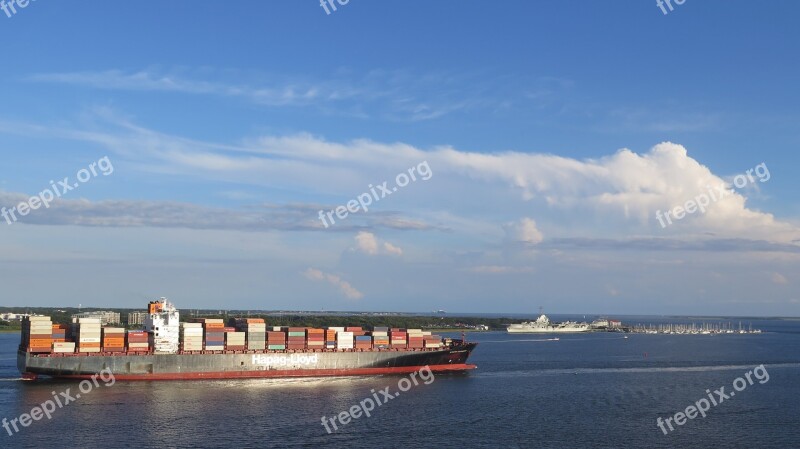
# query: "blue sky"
{"type": "Point", "coordinates": [554, 132]}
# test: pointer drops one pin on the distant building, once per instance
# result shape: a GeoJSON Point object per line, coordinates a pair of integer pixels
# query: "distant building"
{"type": "Point", "coordinates": [614, 323]}
{"type": "Point", "coordinates": [136, 318]}
{"type": "Point", "coordinates": [106, 317]}
{"type": "Point", "coordinates": [13, 316]}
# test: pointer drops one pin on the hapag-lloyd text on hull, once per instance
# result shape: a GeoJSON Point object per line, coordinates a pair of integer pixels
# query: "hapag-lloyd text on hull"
{"type": "Point", "coordinates": [285, 360]}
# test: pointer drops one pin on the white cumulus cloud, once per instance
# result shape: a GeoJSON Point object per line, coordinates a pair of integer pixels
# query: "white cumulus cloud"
{"type": "Point", "coordinates": [367, 243]}
{"type": "Point", "coordinates": [523, 231]}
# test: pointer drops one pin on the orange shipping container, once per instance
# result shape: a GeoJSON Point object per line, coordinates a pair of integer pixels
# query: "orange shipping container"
{"type": "Point", "coordinates": [40, 342]}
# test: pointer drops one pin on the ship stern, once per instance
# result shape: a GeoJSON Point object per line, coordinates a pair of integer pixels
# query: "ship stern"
{"type": "Point", "coordinates": [22, 366]}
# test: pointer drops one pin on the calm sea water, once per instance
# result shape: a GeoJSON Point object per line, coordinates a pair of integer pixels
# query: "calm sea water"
{"type": "Point", "coordinates": [593, 390]}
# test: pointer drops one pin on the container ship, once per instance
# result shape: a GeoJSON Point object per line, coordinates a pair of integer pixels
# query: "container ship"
{"type": "Point", "coordinates": [204, 348]}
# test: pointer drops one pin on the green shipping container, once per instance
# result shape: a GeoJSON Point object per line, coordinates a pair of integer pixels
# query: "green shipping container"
{"type": "Point", "coordinates": [277, 347]}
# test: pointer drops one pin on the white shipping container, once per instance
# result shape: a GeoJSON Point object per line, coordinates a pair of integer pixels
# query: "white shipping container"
{"type": "Point", "coordinates": [200, 325]}
{"type": "Point", "coordinates": [91, 333]}
{"type": "Point", "coordinates": [89, 320]}
{"type": "Point", "coordinates": [337, 329]}
{"type": "Point", "coordinates": [89, 339]}
{"type": "Point", "coordinates": [39, 318]}
{"type": "Point", "coordinates": [88, 349]}
{"type": "Point", "coordinates": [114, 330]}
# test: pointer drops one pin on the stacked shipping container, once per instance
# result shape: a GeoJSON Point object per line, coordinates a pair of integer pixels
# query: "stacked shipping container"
{"type": "Point", "coordinates": [37, 334]}
{"type": "Point", "coordinates": [40, 335]}
{"type": "Point", "coordinates": [415, 339]}
{"type": "Point", "coordinates": [296, 338]}
{"type": "Point", "coordinates": [214, 333]}
{"type": "Point", "coordinates": [363, 342]}
{"type": "Point", "coordinates": [399, 339]}
{"type": "Point", "coordinates": [380, 337]}
{"type": "Point", "coordinates": [138, 341]}
{"type": "Point", "coordinates": [433, 341]}
{"type": "Point", "coordinates": [59, 333]}
{"type": "Point", "coordinates": [89, 334]}
{"type": "Point", "coordinates": [316, 338]}
{"type": "Point", "coordinates": [344, 340]}
{"type": "Point", "coordinates": [276, 340]}
{"type": "Point", "coordinates": [113, 339]}
{"type": "Point", "coordinates": [330, 337]}
{"type": "Point", "coordinates": [235, 341]}
{"type": "Point", "coordinates": [256, 331]}
{"type": "Point", "coordinates": [192, 336]}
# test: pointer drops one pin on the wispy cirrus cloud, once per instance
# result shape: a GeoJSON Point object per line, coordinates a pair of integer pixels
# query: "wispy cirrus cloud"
{"type": "Point", "coordinates": [394, 95]}
{"type": "Point", "coordinates": [173, 214]}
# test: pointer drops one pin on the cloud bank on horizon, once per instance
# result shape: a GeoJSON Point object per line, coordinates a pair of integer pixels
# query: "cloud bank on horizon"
{"type": "Point", "coordinates": [499, 214]}
{"type": "Point", "coordinates": [614, 196]}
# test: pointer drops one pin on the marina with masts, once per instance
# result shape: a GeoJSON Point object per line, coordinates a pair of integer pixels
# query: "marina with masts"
{"type": "Point", "coordinates": [693, 329]}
